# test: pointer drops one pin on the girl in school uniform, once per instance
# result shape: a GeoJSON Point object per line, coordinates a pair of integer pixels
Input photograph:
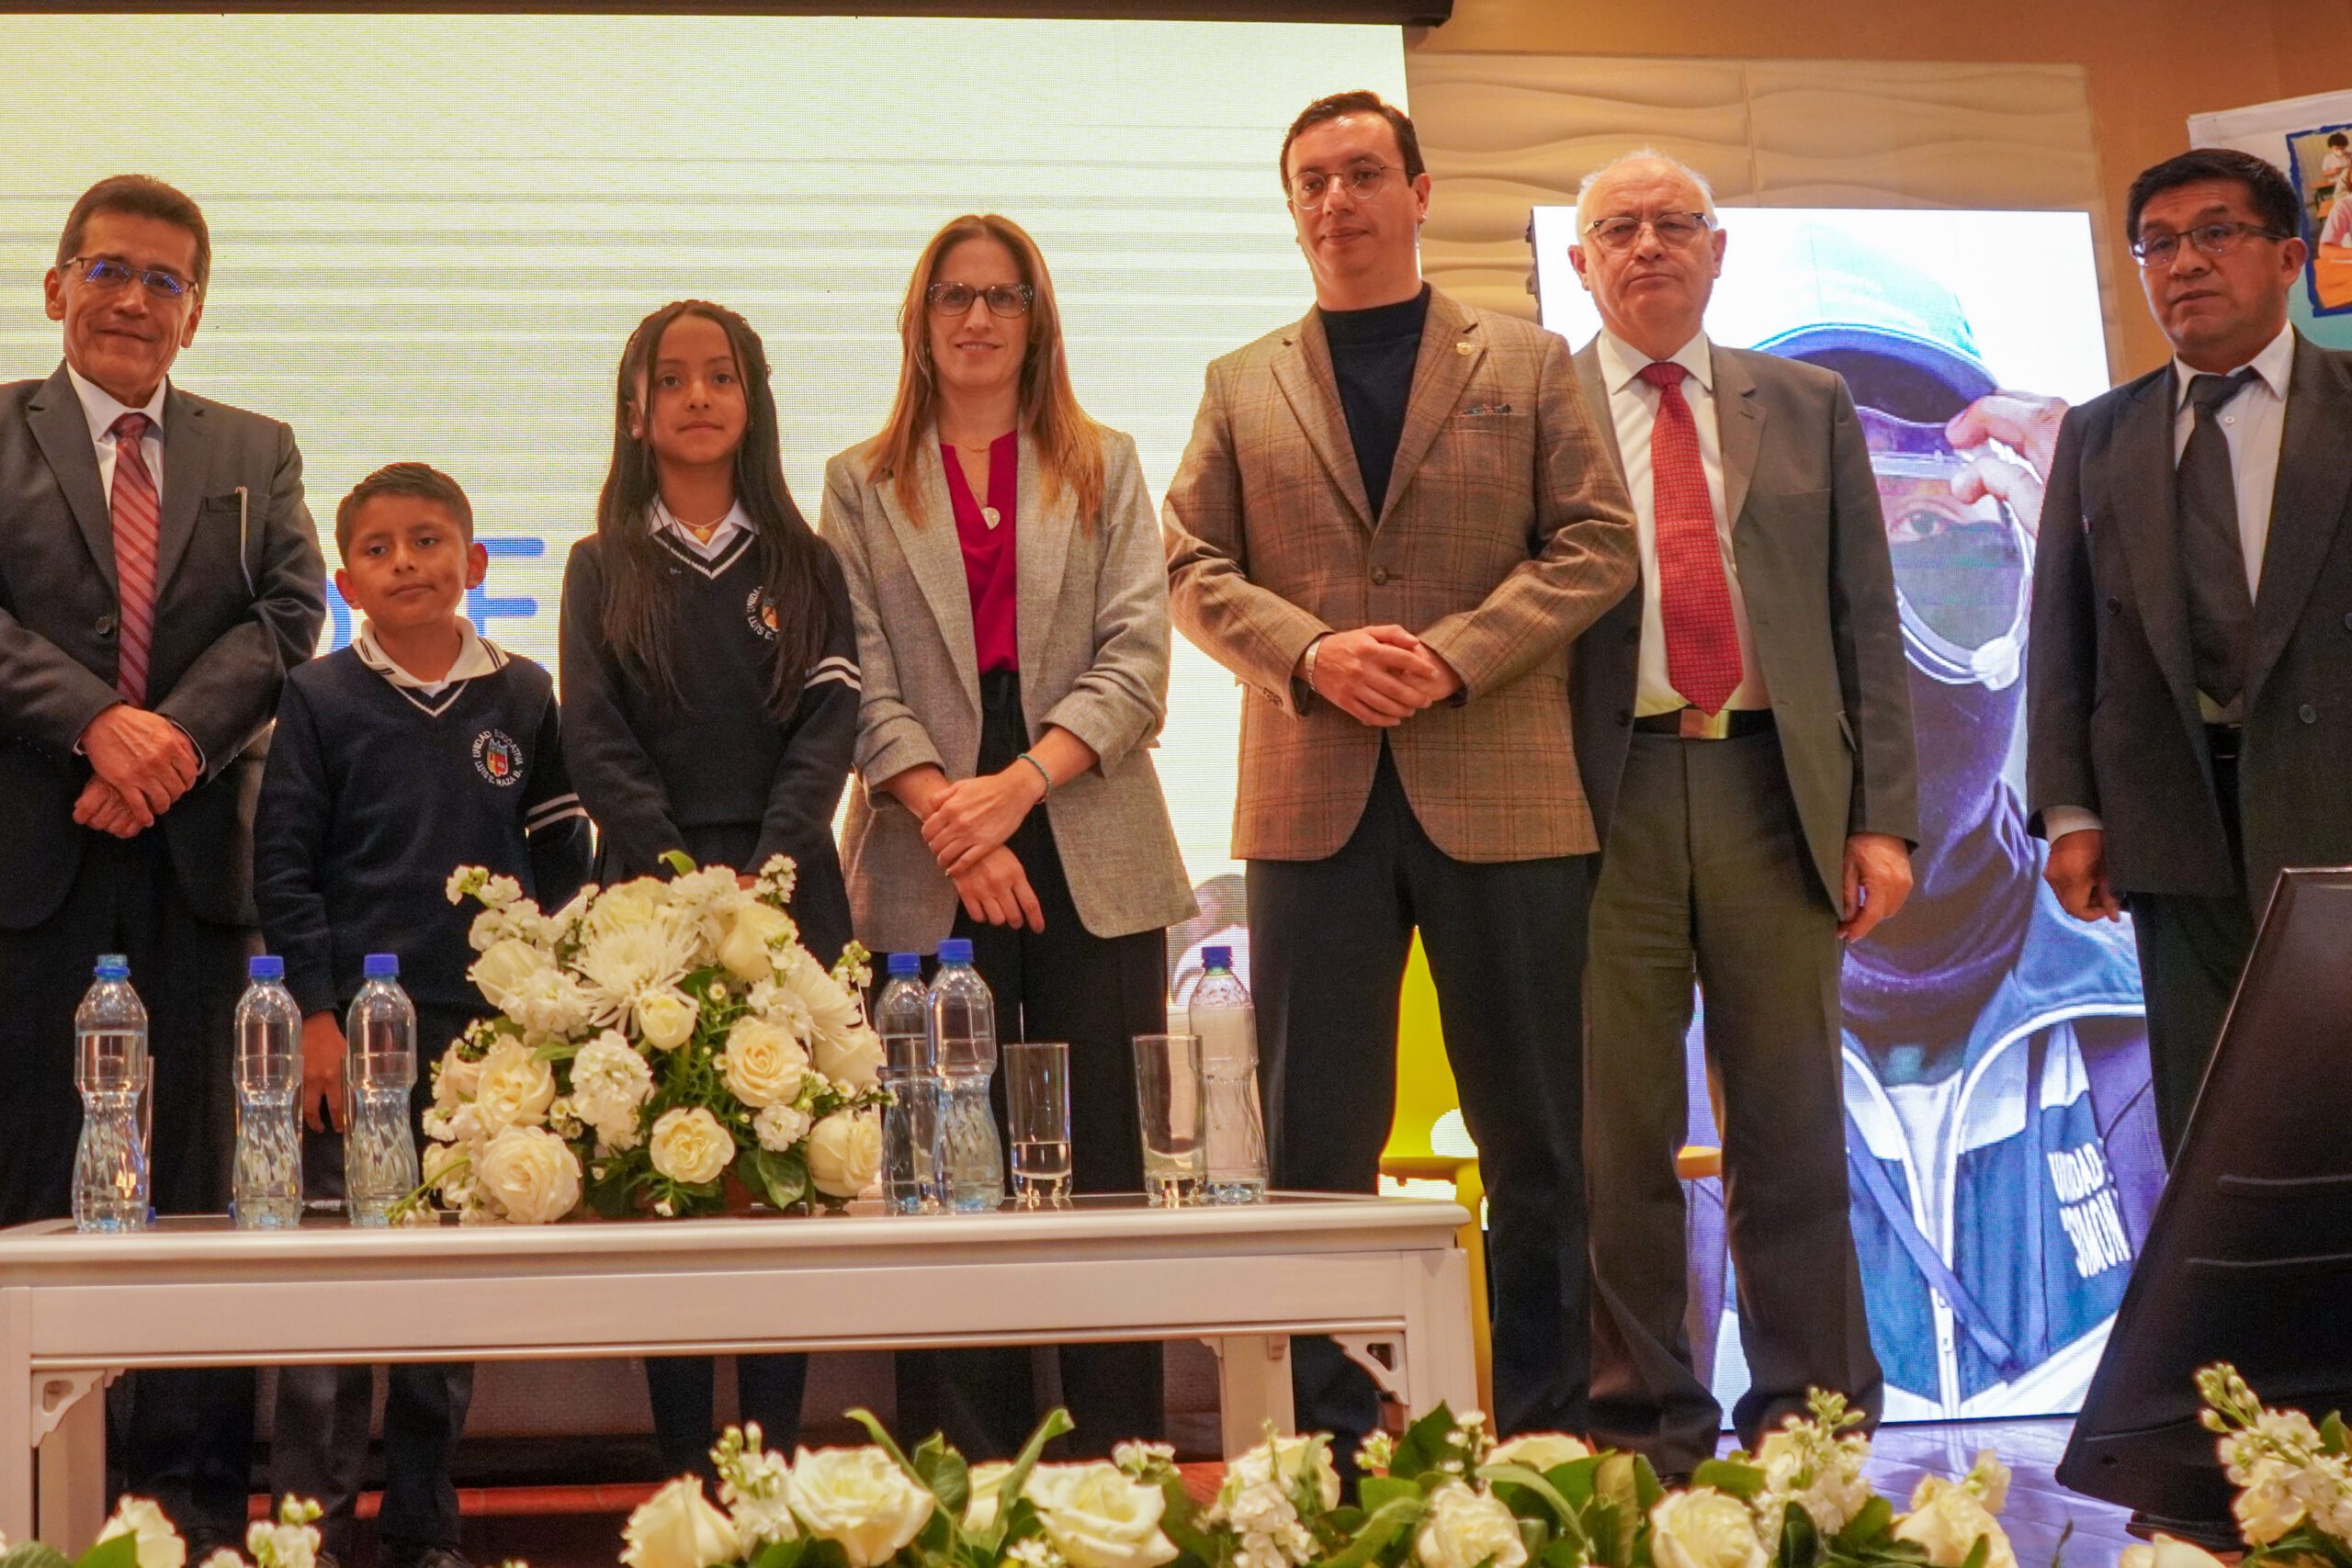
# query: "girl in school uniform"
{"type": "Point", "coordinates": [710, 693]}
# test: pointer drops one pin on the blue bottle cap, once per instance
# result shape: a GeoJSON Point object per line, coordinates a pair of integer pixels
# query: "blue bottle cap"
{"type": "Point", "coordinates": [1217, 958]}
{"type": "Point", "coordinates": [265, 966]}
{"type": "Point", "coordinates": [112, 966]}
{"type": "Point", "coordinates": [905, 964]}
{"type": "Point", "coordinates": [955, 950]}
{"type": "Point", "coordinates": [382, 967]}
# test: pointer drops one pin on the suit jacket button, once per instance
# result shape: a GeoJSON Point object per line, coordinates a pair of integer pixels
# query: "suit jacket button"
{"type": "Point", "coordinates": [1379, 575]}
{"type": "Point", "coordinates": [103, 626]}
{"type": "Point", "coordinates": [2308, 713]}
{"type": "Point", "coordinates": [2115, 606]}
{"type": "Point", "coordinates": [2347, 623]}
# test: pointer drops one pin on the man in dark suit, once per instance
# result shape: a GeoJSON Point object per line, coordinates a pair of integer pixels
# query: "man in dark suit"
{"type": "Point", "coordinates": [2189, 694]}
{"type": "Point", "coordinates": [1744, 726]}
{"type": "Point", "coordinates": [159, 572]}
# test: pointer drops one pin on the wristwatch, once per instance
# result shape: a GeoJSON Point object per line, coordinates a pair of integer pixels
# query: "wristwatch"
{"type": "Point", "coordinates": [1306, 661]}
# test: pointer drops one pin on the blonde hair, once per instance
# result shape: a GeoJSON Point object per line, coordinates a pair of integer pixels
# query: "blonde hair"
{"type": "Point", "coordinates": [1069, 445]}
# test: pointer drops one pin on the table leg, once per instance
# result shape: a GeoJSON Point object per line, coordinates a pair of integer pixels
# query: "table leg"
{"type": "Point", "coordinates": [1441, 1361]}
{"type": "Point", "coordinates": [73, 1472]}
{"type": "Point", "coordinates": [17, 1394]}
{"type": "Point", "coordinates": [1253, 1388]}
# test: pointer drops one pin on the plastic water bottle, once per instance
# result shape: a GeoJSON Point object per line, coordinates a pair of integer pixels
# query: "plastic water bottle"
{"type": "Point", "coordinates": [379, 1069]}
{"type": "Point", "coordinates": [910, 1154]}
{"type": "Point", "coordinates": [1234, 1126]}
{"type": "Point", "coordinates": [267, 1194]}
{"type": "Point", "coordinates": [963, 1033]}
{"type": "Point", "coordinates": [110, 1068]}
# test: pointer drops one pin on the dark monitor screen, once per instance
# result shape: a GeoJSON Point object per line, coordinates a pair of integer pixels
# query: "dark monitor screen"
{"type": "Point", "coordinates": [2249, 1257]}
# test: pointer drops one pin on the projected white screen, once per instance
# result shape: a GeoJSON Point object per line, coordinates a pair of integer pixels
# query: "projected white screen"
{"type": "Point", "coordinates": [431, 234]}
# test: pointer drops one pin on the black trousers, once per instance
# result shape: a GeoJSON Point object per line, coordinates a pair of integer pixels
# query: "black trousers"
{"type": "Point", "coordinates": [318, 1446]}
{"type": "Point", "coordinates": [1329, 941]}
{"type": "Point", "coordinates": [1096, 994]}
{"type": "Point", "coordinates": [185, 1438]}
{"type": "Point", "coordinates": [2192, 950]}
{"type": "Point", "coordinates": [1705, 878]}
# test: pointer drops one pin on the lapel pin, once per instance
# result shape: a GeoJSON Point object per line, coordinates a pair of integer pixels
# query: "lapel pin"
{"type": "Point", "coordinates": [1463, 348]}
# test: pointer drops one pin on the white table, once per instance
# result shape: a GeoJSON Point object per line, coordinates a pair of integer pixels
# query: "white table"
{"type": "Point", "coordinates": [75, 1309]}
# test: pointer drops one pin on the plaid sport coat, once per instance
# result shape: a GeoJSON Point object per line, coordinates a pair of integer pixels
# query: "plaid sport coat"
{"type": "Point", "coordinates": [1505, 532]}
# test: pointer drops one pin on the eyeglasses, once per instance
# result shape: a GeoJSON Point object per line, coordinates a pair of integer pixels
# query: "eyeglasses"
{"type": "Point", "coordinates": [1310, 189]}
{"type": "Point", "coordinates": [1004, 299]}
{"type": "Point", "coordinates": [106, 273]}
{"type": "Point", "coordinates": [2211, 240]}
{"type": "Point", "coordinates": [1674, 230]}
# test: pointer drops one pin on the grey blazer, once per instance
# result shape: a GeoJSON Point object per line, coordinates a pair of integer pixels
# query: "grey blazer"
{"type": "Point", "coordinates": [1811, 547]}
{"type": "Point", "coordinates": [1093, 631]}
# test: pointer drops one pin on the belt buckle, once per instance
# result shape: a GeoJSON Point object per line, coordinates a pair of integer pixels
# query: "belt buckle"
{"type": "Point", "coordinates": [1697, 726]}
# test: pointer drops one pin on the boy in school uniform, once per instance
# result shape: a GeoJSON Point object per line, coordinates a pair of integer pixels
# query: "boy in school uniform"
{"type": "Point", "coordinates": [418, 748]}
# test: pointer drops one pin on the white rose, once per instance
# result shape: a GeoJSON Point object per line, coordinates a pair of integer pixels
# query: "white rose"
{"type": "Point", "coordinates": [457, 1081]}
{"type": "Point", "coordinates": [980, 1507]}
{"type": "Point", "coordinates": [853, 1058]}
{"type": "Point", "coordinates": [845, 1152]}
{"type": "Point", "coordinates": [1949, 1519]}
{"type": "Point", "coordinates": [506, 972]}
{"type": "Point", "coordinates": [2163, 1551]}
{"type": "Point", "coordinates": [859, 1500]}
{"type": "Point", "coordinates": [159, 1545]}
{"type": "Point", "coordinates": [778, 1127]}
{"type": "Point", "coordinates": [1704, 1528]}
{"type": "Point", "coordinates": [513, 1087]}
{"type": "Point", "coordinates": [762, 1065]}
{"type": "Point", "coordinates": [530, 1174]}
{"type": "Point", "coordinates": [1539, 1451]}
{"type": "Point", "coordinates": [744, 949]}
{"type": "Point", "coordinates": [1465, 1529]}
{"type": "Point", "coordinates": [631, 903]}
{"type": "Point", "coordinates": [677, 1528]}
{"type": "Point", "coordinates": [690, 1145]}
{"type": "Point", "coordinates": [1284, 1461]}
{"type": "Point", "coordinates": [665, 1019]}
{"type": "Point", "coordinates": [1098, 1517]}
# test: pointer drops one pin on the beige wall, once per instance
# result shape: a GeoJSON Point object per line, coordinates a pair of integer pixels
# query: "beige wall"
{"type": "Point", "coordinates": [2145, 66]}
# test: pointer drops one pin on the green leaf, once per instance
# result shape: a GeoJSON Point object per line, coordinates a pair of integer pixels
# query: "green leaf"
{"type": "Point", "coordinates": [781, 1553]}
{"type": "Point", "coordinates": [1424, 1447]}
{"type": "Point", "coordinates": [1602, 1533]}
{"type": "Point", "coordinates": [1055, 1424]}
{"type": "Point", "coordinates": [120, 1552]}
{"type": "Point", "coordinates": [943, 1470]}
{"type": "Point", "coordinates": [1178, 1521]}
{"type": "Point", "coordinates": [1376, 1492]}
{"type": "Point", "coordinates": [824, 1554]}
{"type": "Point", "coordinates": [2058, 1552]}
{"type": "Point", "coordinates": [678, 861]}
{"type": "Point", "coordinates": [1875, 1519]}
{"type": "Point", "coordinates": [33, 1554]}
{"type": "Point", "coordinates": [1978, 1554]}
{"type": "Point", "coordinates": [882, 1439]}
{"type": "Point", "coordinates": [1617, 1482]}
{"type": "Point", "coordinates": [1799, 1541]}
{"type": "Point", "coordinates": [1574, 1480]}
{"type": "Point", "coordinates": [1729, 1477]}
{"type": "Point", "coordinates": [1647, 1488]}
{"type": "Point", "coordinates": [2332, 1438]}
{"type": "Point", "coordinates": [780, 1178]}
{"type": "Point", "coordinates": [1518, 1478]}
{"type": "Point", "coordinates": [1385, 1525]}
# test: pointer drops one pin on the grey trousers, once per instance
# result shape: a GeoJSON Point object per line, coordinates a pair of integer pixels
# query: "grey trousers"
{"type": "Point", "coordinates": [1704, 877]}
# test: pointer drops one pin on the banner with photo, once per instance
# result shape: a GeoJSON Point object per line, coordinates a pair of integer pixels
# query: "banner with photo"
{"type": "Point", "coordinates": [2311, 139]}
{"type": "Point", "coordinates": [2001, 1150]}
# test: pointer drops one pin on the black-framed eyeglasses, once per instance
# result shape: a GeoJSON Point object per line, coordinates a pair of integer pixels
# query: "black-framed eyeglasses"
{"type": "Point", "coordinates": [1674, 230]}
{"type": "Point", "coordinates": [1004, 299]}
{"type": "Point", "coordinates": [2212, 241]}
{"type": "Point", "coordinates": [1311, 187]}
{"type": "Point", "coordinates": [105, 272]}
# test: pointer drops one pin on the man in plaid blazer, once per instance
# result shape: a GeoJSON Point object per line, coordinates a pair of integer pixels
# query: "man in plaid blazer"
{"type": "Point", "coordinates": [1391, 519]}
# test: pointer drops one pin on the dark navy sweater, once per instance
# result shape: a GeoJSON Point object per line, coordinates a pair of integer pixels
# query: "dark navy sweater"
{"type": "Point", "coordinates": [718, 778]}
{"type": "Point", "coordinates": [374, 794]}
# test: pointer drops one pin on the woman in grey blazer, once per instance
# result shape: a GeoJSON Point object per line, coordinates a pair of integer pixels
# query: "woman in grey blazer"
{"type": "Point", "coordinates": [1004, 568]}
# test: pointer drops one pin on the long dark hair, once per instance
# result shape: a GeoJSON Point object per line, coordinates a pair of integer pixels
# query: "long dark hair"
{"type": "Point", "coordinates": [637, 612]}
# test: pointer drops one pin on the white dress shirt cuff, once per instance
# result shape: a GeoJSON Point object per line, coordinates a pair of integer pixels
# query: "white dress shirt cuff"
{"type": "Point", "coordinates": [2057, 821]}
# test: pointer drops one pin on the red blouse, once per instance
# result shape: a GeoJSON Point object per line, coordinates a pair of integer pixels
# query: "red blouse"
{"type": "Point", "coordinates": [989, 569]}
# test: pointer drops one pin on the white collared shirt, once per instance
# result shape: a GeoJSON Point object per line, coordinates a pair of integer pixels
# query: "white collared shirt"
{"type": "Point", "coordinates": [475, 657]}
{"type": "Point", "coordinates": [101, 408]}
{"type": "Point", "coordinates": [737, 523]}
{"type": "Point", "coordinates": [2255, 424]}
{"type": "Point", "coordinates": [1632, 410]}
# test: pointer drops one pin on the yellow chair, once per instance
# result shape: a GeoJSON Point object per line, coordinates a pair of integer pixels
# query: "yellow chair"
{"type": "Point", "coordinates": [1428, 1143]}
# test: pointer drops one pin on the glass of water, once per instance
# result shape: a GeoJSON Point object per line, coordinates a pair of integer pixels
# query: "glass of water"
{"type": "Point", "coordinates": [1168, 1104]}
{"type": "Point", "coordinates": [1037, 1104]}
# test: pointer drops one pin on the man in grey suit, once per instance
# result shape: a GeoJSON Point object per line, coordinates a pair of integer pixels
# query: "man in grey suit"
{"type": "Point", "coordinates": [1743, 727]}
{"type": "Point", "coordinates": [2189, 695]}
{"type": "Point", "coordinates": [159, 572]}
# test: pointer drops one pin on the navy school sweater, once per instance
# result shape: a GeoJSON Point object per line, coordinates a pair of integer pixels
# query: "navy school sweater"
{"type": "Point", "coordinates": [718, 778]}
{"type": "Point", "coordinates": [374, 794]}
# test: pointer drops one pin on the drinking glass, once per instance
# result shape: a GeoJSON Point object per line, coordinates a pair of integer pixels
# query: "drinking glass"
{"type": "Point", "coordinates": [1169, 1108]}
{"type": "Point", "coordinates": [1036, 1102]}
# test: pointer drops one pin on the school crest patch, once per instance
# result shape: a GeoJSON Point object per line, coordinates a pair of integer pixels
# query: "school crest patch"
{"type": "Point", "coordinates": [497, 757]}
{"type": "Point", "coordinates": [759, 613]}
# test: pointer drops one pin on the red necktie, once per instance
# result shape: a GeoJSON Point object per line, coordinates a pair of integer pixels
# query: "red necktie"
{"type": "Point", "coordinates": [136, 512]}
{"type": "Point", "coordinates": [1694, 599]}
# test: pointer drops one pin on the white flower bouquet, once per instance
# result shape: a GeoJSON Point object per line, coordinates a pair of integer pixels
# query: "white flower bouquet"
{"type": "Point", "coordinates": [2294, 1481]}
{"type": "Point", "coordinates": [662, 1048]}
{"type": "Point", "coordinates": [139, 1535]}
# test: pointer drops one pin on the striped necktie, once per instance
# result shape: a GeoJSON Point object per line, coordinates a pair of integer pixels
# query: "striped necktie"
{"type": "Point", "coordinates": [136, 513]}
